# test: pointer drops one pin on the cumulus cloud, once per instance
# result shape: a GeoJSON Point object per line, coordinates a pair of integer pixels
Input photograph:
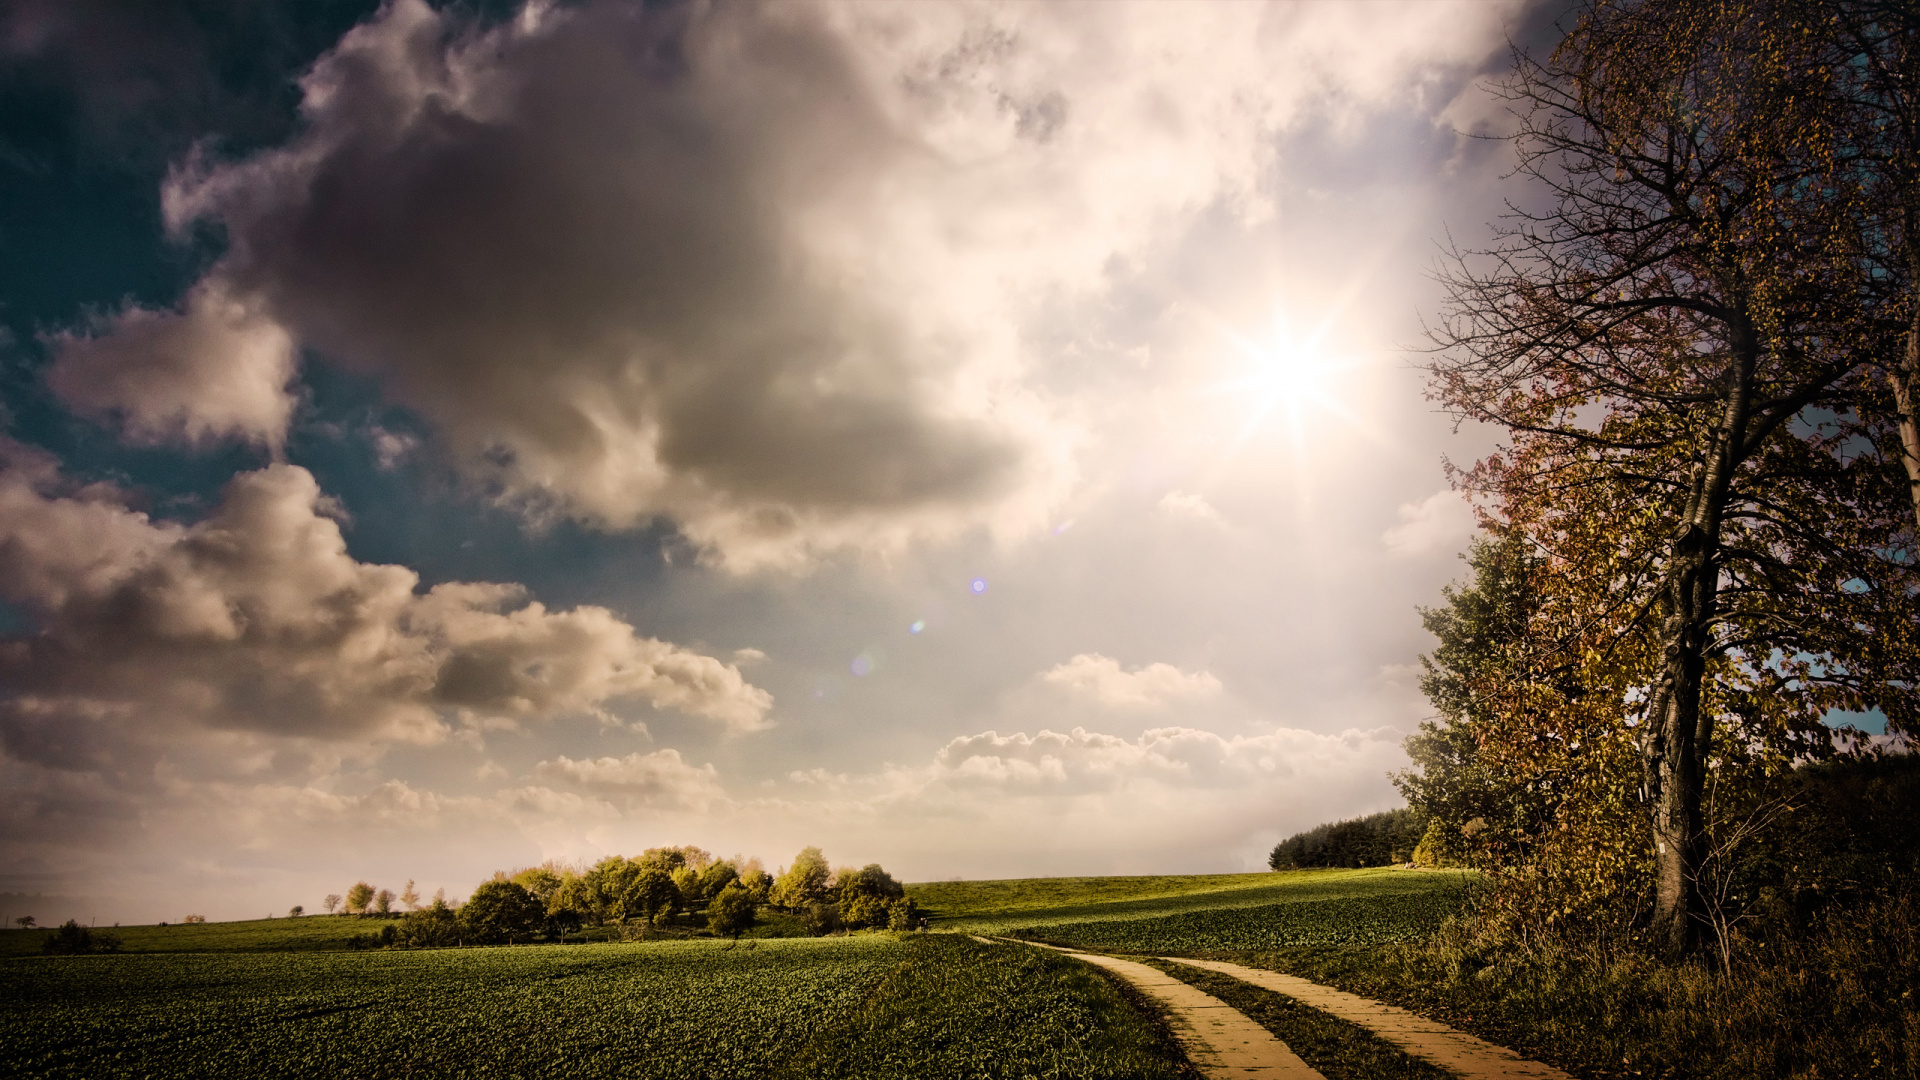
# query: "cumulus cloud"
{"type": "Point", "coordinates": [217, 368]}
{"type": "Point", "coordinates": [1101, 680]}
{"type": "Point", "coordinates": [1441, 522]}
{"type": "Point", "coordinates": [255, 621]}
{"type": "Point", "coordinates": [759, 268]}
{"type": "Point", "coordinates": [660, 778]}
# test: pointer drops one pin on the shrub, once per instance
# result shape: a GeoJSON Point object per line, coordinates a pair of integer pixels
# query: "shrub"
{"type": "Point", "coordinates": [823, 919]}
{"type": "Point", "coordinates": [72, 939]}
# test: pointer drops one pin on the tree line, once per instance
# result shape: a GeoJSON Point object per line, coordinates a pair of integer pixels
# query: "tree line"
{"type": "Point", "coordinates": [1699, 331]}
{"type": "Point", "coordinates": [659, 888]}
{"type": "Point", "coordinates": [1381, 839]}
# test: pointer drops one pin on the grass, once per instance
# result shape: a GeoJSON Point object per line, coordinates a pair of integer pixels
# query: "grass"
{"type": "Point", "coordinates": [1339, 1050]}
{"type": "Point", "coordinates": [958, 1009]}
{"type": "Point", "coordinates": [1838, 1000]}
{"type": "Point", "coordinates": [997, 907]}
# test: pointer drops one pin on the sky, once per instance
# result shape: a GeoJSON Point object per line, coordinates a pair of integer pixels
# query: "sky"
{"type": "Point", "coordinates": [983, 439]}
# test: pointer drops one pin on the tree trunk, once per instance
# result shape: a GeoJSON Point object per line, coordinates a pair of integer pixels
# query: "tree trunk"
{"type": "Point", "coordinates": [1676, 743]}
{"type": "Point", "coordinates": [1679, 732]}
{"type": "Point", "coordinates": [1902, 377]}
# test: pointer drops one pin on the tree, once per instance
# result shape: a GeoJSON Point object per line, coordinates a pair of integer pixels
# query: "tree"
{"type": "Point", "coordinates": [867, 895]}
{"type": "Point", "coordinates": [1662, 346]}
{"type": "Point", "coordinates": [650, 896]}
{"type": "Point", "coordinates": [730, 912]}
{"type": "Point", "coordinates": [331, 903]}
{"type": "Point", "coordinates": [500, 911]}
{"type": "Point", "coordinates": [25, 922]}
{"type": "Point", "coordinates": [802, 884]}
{"type": "Point", "coordinates": [296, 911]}
{"type": "Point", "coordinates": [718, 876]}
{"type": "Point", "coordinates": [433, 926]}
{"type": "Point", "coordinates": [383, 901]}
{"type": "Point", "coordinates": [542, 881]}
{"type": "Point", "coordinates": [410, 896]}
{"type": "Point", "coordinates": [359, 897]}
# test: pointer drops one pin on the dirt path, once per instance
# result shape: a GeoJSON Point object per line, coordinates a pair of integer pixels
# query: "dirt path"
{"type": "Point", "coordinates": [1219, 1039]}
{"type": "Point", "coordinates": [1475, 1059]}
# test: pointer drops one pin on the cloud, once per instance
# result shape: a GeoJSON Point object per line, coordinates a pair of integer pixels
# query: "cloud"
{"type": "Point", "coordinates": [1441, 522]}
{"type": "Point", "coordinates": [256, 622]}
{"type": "Point", "coordinates": [660, 778]}
{"type": "Point", "coordinates": [1180, 504]}
{"type": "Point", "coordinates": [1101, 680]}
{"type": "Point", "coordinates": [761, 269]}
{"type": "Point", "coordinates": [218, 368]}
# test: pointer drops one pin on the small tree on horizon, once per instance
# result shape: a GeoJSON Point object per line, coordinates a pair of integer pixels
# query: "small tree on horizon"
{"type": "Point", "coordinates": [296, 911]}
{"type": "Point", "coordinates": [410, 896]}
{"type": "Point", "coordinates": [383, 901]}
{"type": "Point", "coordinates": [331, 903]}
{"type": "Point", "coordinates": [359, 897]}
{"type": "Point", "coordinates": [26, 922]}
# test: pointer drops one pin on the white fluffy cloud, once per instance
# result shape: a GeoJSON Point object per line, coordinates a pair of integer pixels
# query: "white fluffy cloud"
{"type": "Point", "coordinates": [218, 368]}
{"type": "Point", "coordinates": [255, 621]}
{"type": "Point", "coordinates": [658, 779]}
{"type": "Point", "coordinates": [760, 268]}
{"type": "Point", "coordinates": [1102, 681]}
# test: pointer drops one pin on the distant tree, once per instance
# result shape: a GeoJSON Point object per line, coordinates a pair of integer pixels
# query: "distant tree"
{"type": "Point", "coordinates": [1375, 840]}
{"type": "Point", "coordinates": [434, 926]}
{"type": "Point", "coordinates": [758, 883]}
{"type": "Point", "coordinates": [867, 895]}
{"type": "Point", "coordinates": [72, 939]}
{"type": "Point", "coordinates": [804, 883]}
{"type": "Point", "coordinates": [359, 897]}
{"type": "Point", "coordinates": [542, 881]}
{"type": "Point", "coordinates": [331, 903]}
{"type": "Point", "coordinates": [191, 920]}
{"type": "Point", "coordinates": [296, 911]}
{"type": "Point", "coordinates": [651, 896]}
{"type": "Point", "coordinates": [823, 919]}
{"type": "Point", "coordinates": [410, 896]}
{"type": "Point", "coordinates": [688, 881]}
{"type": "Point", "coordinates": [718, 876]}
{"type": "Point", "coordinates": [730, 911]}
{"type": "Point", "coordinates": [500, 911]}
{"type": "Point", "coordinates": [383, 901]}
{"type": "Point", "coordinates": [26, 922]}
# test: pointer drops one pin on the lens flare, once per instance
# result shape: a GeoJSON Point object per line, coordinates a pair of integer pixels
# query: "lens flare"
{"type": "Point", "coordinates": [916, 626]}
{"type": "Point", "coordinates": [979, 586]}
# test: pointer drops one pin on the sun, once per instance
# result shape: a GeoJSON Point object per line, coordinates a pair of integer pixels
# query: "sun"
{"type": "Point", "coordinates": [1286, 377]}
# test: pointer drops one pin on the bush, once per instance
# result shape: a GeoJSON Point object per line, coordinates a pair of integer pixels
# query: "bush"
{"type": "Point", "coordinates": [72, 939]}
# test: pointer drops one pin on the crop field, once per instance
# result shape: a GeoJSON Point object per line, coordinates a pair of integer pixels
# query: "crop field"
{"type": "Point", "coordinates": [996, 907]}
{"type": "Point", "coordinates": [865, 1006]}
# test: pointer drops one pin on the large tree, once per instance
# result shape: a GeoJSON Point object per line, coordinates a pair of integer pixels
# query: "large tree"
{"type": "Point", "coordinates": [1678, 343]}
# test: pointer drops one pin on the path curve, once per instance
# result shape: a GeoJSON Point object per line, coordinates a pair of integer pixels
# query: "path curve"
{"type": "Point", "coordinates": [1449, 1048]}
{"type": "Point", "coordinates": [1219, 1039]}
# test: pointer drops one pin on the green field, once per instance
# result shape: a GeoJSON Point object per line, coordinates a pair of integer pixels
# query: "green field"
{"type": "Point", "coordinates": [1001, 907]}
{"type": "Point", "coordinates": [250, 935]}
{"type": "Point", "coordinates": [872, 1005]}
{"type": "Point", "coordinates": [286, 997]}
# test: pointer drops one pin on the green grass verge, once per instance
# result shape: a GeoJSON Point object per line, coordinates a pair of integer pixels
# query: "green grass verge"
{"type": "Point", "coordinates": [959, 1009]}
{"type": "Point", "coordinates": [1338, 1049]}
{"type": "Point", "coordinates": [1000, 907]}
